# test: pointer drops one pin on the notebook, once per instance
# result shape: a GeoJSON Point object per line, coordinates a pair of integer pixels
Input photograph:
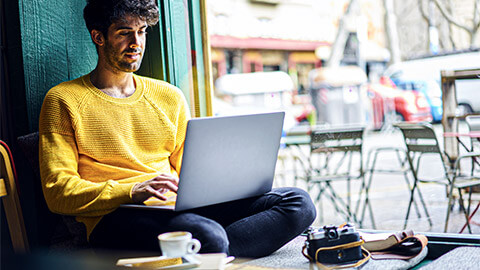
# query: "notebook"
{"type": "Point", "coordinates": [225, 159]}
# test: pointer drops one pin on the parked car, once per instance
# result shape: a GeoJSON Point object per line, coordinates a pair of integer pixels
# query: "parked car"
{"type": "Point", "coordinates": [390, 104]}
{"type": "Point", "coordinates": [430, 89]}
{"type": "Point", "coordinates": [429, 69]}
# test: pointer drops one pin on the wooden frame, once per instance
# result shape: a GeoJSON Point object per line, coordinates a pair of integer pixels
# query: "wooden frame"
{"type": "Point", "coordinates": [449, 101]}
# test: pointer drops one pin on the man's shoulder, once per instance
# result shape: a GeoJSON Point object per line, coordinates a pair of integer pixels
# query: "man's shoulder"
{"type": "Point", "coordinates": [160, 88]}
{"type": "Point", "coordinates": [72, 89]}
{"type": "Point", "coordinates": [152, 82]}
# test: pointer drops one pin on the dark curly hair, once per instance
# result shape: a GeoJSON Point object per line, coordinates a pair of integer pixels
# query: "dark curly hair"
{"type": "Point", "coordinates": [100, 14]}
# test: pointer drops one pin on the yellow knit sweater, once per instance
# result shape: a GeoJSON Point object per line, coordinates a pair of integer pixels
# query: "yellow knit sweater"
{"type": "Point", "coordinates": [94, 148]}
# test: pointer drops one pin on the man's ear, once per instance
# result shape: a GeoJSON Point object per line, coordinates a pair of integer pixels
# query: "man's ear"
{"type": "Point", "coordinates": [97, 37]}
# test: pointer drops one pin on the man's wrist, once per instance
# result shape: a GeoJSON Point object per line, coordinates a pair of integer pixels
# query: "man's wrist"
{"type": "Point", "coordinates": [132, 191]}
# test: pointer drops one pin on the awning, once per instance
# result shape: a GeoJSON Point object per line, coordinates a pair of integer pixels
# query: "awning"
{"type": "Point", "coordinates": [217, 41]}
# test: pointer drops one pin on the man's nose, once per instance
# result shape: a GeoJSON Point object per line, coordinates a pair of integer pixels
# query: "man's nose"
{"type": "Point", "coordinates": [135, 41]}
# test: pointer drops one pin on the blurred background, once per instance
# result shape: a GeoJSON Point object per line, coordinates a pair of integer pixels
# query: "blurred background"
{"type": "Point", "coordinates": [394, 51]}
{"type": "Point", "coordinates": [338, 63]}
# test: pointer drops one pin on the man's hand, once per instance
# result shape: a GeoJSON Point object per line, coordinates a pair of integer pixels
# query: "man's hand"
{"type": "Point", "coordinates": [155, 187]}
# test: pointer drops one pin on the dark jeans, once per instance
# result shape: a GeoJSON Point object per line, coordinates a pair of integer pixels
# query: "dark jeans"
{"type": "Point", "coordinates": [252, 227]}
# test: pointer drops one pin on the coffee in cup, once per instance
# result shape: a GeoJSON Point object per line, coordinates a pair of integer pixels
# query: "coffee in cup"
{"type": "Point", "coordinates": [178, 244]}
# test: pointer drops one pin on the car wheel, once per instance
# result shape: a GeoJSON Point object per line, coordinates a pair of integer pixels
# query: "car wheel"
{"type": "Point", "coordinates": [463, 109]}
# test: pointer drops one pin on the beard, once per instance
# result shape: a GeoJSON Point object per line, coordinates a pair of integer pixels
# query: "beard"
{"type": "Point", "coordinates": [115, 58]}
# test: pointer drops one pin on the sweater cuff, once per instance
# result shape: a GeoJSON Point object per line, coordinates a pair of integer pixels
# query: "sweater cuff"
{"type": "Point", "coordinates": [127, 188]}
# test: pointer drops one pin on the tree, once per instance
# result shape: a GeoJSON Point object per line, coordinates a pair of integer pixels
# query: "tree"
{"type": "Point", "coordinates": [472, 26]}
{"type": "Point", "coordinates": [391, 32]}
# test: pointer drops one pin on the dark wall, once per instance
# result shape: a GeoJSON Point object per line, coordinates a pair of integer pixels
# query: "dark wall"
{"type": "Point", "coordinates": [45, 42]}
{"type": "Point", "coordinates": [56, 48]}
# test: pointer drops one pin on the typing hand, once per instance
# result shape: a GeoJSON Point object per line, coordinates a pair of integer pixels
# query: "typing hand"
{"type": "Point", "coordinates": [155, 187]}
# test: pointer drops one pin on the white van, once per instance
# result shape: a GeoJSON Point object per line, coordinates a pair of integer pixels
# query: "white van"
{"type": "Point", "coordinates": [256, 92]}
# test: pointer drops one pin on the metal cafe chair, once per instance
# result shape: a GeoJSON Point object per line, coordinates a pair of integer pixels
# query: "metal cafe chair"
{"type": "Point", "coordinates": [420, 140]}
{"type": "Point", "coordinates": [11, 201]}
{"type": "Point", "coordinates": [332, 159]}
{"type": "Point", "coordinates": [371, 168]}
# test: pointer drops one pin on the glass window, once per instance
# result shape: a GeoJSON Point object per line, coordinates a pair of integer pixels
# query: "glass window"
{"type": "Point", "coordinates": [354, 62]}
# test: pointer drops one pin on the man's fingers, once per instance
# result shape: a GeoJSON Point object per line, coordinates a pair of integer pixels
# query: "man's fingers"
{"type": "Point", "coordinates": [156, 193]}
{"type": "Point", "coordinates": [166, 177]}
{"type": "Point", "coordinates": [164, 184]}
{"type": "Point", "coordinates": [155, 187]}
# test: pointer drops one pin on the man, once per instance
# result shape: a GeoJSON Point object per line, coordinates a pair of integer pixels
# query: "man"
{"type": "Point", "coordinates": [112, 137]}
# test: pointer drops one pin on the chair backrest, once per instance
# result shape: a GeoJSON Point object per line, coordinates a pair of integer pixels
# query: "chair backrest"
{"type": "Point", "coordinates": [336, 140]}
{"type": "Point", "coordinates": [29, 145]}
{"type": "Point", "coordinates": [419, 137]}
{"type": "Point", "coordinates": [11, 202]}
{"type": "Point", "coordinates": [334, 149]}
{"type": "Point", "coordinates": [57, 231]}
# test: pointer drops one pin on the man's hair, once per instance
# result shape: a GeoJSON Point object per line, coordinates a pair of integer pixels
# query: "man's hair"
{"type": "Point", "coordinates": [100, 14]}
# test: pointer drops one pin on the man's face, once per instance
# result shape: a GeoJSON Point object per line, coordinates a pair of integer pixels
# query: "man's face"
{"type": "Point", "coordinates": [125, 44]}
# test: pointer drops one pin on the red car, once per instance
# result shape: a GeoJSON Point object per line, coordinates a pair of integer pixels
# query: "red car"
{"type": "Point", "coordinates": [392, 104]}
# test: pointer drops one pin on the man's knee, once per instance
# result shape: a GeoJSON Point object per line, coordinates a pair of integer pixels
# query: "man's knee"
{"type": "Point", "coordinates": [298, 201]}
{"type": "Point", "coordinates": [211, 235]}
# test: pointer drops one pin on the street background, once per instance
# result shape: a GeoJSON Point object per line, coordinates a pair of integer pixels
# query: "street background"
{"type": "Point", "coordinates": [389, 194]}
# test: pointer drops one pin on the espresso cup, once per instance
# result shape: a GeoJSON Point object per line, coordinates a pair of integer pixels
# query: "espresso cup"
{"type": "Point", "coordinates": [178, 244]}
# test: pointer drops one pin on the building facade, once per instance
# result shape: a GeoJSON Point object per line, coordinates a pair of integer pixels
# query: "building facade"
{"type": "Point", "coordinates": [288, 35]}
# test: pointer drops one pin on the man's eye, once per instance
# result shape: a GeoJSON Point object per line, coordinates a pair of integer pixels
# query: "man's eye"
{"type": "Point", "coordinates": [123, 33]}
{"type": "Point", "coordinates": [142, 32]}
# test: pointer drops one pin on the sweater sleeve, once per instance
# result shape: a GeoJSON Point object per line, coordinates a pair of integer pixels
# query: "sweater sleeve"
{"type": "Point", "coordinates": [64, 190]}
{"type": "Point", "coordinates": [182, 119]}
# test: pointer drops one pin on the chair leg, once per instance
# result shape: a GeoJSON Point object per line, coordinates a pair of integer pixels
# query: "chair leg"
{"type": "Point", "coordinates": [366, 188]}
{"type": "Point", "coordinates": [405, 176]}
{"type": "Point", "coordinates": [333, 198]}
{"type": "Point", "coordinates": [370, 210]}
{"type": "Point", "coordinates": [412, 191]}
{"type": "Point", "coordinates": [450, 199]}
{"type": "Point", "coordinates": [430, 222]}
{"type": "Point", "coordinates": [338, 202]}
{"type": "Point", "coordinates": [466, 213]}
{"type": "Point", "coordinates": [415, 183]}
{"type": "Point", "coordinates": [423, 204]}
{"type": "Point", "coordinates": [419, 215]}
{"type": "Point", "coordinates": [410, 204]}
{"type": "Point", "coordinates": [470, 217]}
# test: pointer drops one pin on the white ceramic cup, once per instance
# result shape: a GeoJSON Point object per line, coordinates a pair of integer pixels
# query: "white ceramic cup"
{"type": "Point", "coordinates": [178, 244]}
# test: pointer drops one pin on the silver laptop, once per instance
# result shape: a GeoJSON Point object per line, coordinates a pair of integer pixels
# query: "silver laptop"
{"type": "Point", "coordinates": [226, 158]}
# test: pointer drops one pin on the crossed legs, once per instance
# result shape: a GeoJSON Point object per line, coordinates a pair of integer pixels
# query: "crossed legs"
{"type": "Point", "coordinates": [252, 227]}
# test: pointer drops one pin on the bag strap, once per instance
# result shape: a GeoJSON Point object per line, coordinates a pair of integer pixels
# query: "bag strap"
{"type": "Point", "coordinates": [401, 249]}
{"type": "Point", "coordinates": [365, 253]}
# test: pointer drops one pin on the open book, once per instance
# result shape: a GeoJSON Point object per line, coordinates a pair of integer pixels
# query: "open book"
{"type": "Point", "coordinates": [381, 241]}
